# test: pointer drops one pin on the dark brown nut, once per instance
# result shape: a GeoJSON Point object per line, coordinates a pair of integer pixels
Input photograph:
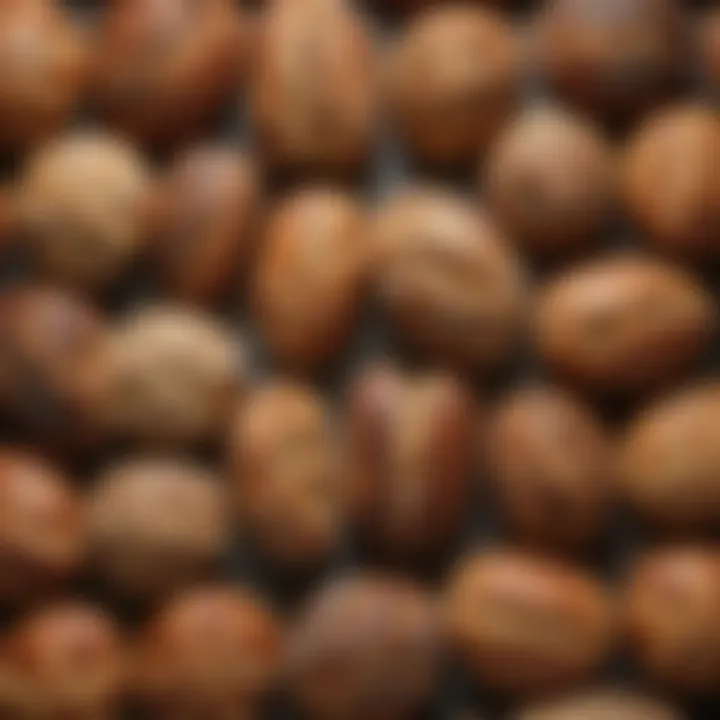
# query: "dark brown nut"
{"type": "Point", "coordinates": [366, 646]}
{"type": "Point", "coordinates": [44, 64]}
{"type": "Point", "coordinates": [42, 533]}
{"type": "Point", "coordinates": [549, 458]}
{"type": "Point", "coordinates": [524, 625]}
{"type": "Point", "coordinates": [672, 182]}
{"type": "Point", "coordinates": [156, 525]}
{"type": "Point", "coordinates": [710, 45]}
{"type": "Point", "coordinates": [51, 354]}
{"type": "Point", "coordinates": [409, 457]}
{"type": "Point", "coordinates": [205, 216]}
{"type": "Point", "coordinates": [672, 613]}
{"type": "Point", "coordinates": [549, 181]}
{"type": "Point", "coordinates": [172, 376]}
{"type": "Point", "coordinates": [9, 216]}
{"type": "Point", "coordinates": [615, 59]}
{"type": "Point", "coordinates": [311, 276]}
{"type": "Point", "coordinates": [313, 89]}
{"type": "Point", "coordinates": [166, 67]}
{"type": "Point", "coordinates": [84, 206]}
{"type": "Point", "coordinates": [212, 652]}
{"type": "Point", "coordinates": [63, 661]}
{"type": "Point", "coordinates": [454, 81]}
{"type": "Point", "coordinates": [625, 323]}
{"type": "Point", "coordinates": [670, 460]}
{"type": "Point", "coordinates": [286, 470]}
{"type": "Point", "coordinates": [446, 277]}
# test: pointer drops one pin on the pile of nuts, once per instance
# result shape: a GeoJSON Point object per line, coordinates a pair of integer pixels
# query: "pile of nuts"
{"type": "Point", "coordinates": [213, 349]}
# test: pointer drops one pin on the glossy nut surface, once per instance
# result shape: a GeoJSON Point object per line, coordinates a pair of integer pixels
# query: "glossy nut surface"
{"type": "Point", "coordinates": [365, 646]}
{"type": "Point", "coordinates": [85, 232]}
{"type": "Point", "coordinates": [624, 323]}
{"type": "Point", "coordinates": [550, 458]}
{"type": "Point", "coordinates": [672, 182]}
{"type": "Point", "coordinates": [166, 67]}
{"type": "Point", "coordinates": [285, 466]}
{"type": "Point", "coordinates": [157, 524]}
{"type": "Point", "coordinates": [454, 80]}
{"type": "Point", "coordinates": [672, 614]}
{"type": "Point", "coordinates": [311, 274]}
{"type": "Point", "coordinates": [549, 181]}
{"type": "Point", "coordinates": [205, 217]}
{"type": "Point", "coordinates": [312, 94]}
{"type": "Point", "coordinates": [410, 444]}
{"type": "Point", "coordinates": [447, 279]}
{"type": "Point", "coordinates": [524, 625]}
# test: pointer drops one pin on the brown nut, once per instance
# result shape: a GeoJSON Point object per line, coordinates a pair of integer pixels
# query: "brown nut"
{"type": "Point", "coordinates": [166, 67]}
{"type": "Point", "coordinates": [44, 63]}
{"type": "Point", "coordinates": [672, 614]}
{"type": "Point", "coordinates": [9, 216]}
{"type": "Point", "coordinates": [710, 45]}
{"type": "Point", "coordinates": [616, 59]}
{"type": "Point", "coordinates": [447, 279]}
{"type": "Point", "coordinates": [670, 460]}
{"type": "Point", "coordinates": [549, 182]}
{"type": "Point", "coordinates": [410, 447]}
{"type": "Point", "coordinates": [212, 652]}
{"type": "Point", "coordinates": [156, 524]}
{"type": "Point", "coordinates": [524, 625]}
{"type": "Point", "coordinates": [286, 470]}
{"type": "Point", "coordinates": [172, 376]}
{"type": "Point", "coordinates": [62, 661]}
{"type": "Point", "coordinates": [672, 182]}
{"type": "Point", "coordinates": [313, 90]}
{"type": "Point", "coordinates": [454, 81]}
{"type": "Point", "coordinates": [84, 204]}
{"type": "Point", "coordinates": [625, 323]}
{"type": "Point", "coordinates": [204, 220]}
{"type": "Point", "coordinates": [311, 275]}
{"type": "Point", "coordinates": [549, 458]}
{"type": "Point", "coordinates": [42, 528]}
{"type": "Point", "coordinates": [365, 646]}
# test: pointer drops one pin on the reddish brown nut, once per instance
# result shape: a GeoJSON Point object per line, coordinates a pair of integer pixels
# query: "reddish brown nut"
{"type": "Point", "coordinates": [166, 67]}
{"type": "Point", "coordinates": [63, 661]}
{"type": "Point", "coordinates": [205, 217]}
{"type": "Point", "coordinates": [549, 181]}
{"type": "Point", "coordinates": [673, 598]}
{"type": "Point", "coordinates": [212, 652]}
{"type": "Point", "coordinates": [409, 456]}
{"type": "Point", "coordinates": [624, 323]}
{"type": "Point", "coordinates": [454, 80]}
{"type": "Point", "coordinates": [672, 182]}
{"type": "Point", "coordinates": [365, 646]}
{"type": "Point", "coordinates": [156, 524]}
{"type": "Point", "coordinates": [42, 528]}
{"type": "Point", "coordinates": [549, 459]}
{"type": "Point", "coordinates": [172, 376]}
{"type": "Point", "coordinates": [616, 59]}
{"type": "Point", "coordinates": [670, 460]}
{"type": "Point", "coordinates": [9, 216]}
{"type": "Point", "coordinates": [311, 275]}
{"type": "Point", "coordinates": [710, 45]}
{"type": "Point", "coordinates": [447, 279]}
{"type": "Point", "coordinates": [313, 87]}
{"type": "Point", "coordinates": [285, 466]}
{"type": "Point", "coordinates": [44, 63]}
{"type": "Point", "coordinates": [50, 357]}
{"type": "Point", "coordinates": [524, 625]}
{"type": "Point", "coordinates": [84, 206]}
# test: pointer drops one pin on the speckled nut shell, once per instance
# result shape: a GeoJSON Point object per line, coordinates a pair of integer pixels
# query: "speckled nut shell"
{"type": "Point", "coordinates": [365, 646]}
{"type": "Point", "coordinates": [165, 68]}
{"type": "Point", "coordinates": [673, 598]}
{"type": "Point", "coordinates": [623, 323]}
{"type": "Point", "coordinates": [524, 625]}
{"type": "Point", "coordinates": [550, 182]}
{"type": "Point", "coordinates": [454, 80]}
{"type": "Point", "coordinates": [672, 182]}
